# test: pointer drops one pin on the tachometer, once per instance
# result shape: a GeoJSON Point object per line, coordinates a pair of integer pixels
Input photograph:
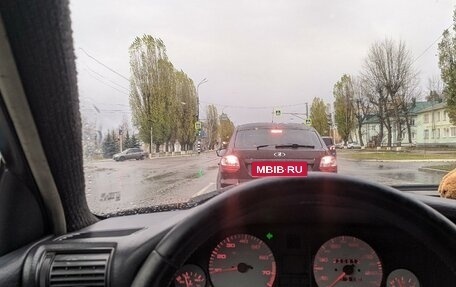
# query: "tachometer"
{"type": "Point", "coordinates": [347, 261]}
{"type": "Point", "coordinates": [242, 260]}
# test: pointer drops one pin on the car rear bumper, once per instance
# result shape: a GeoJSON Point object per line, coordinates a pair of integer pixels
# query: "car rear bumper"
{"type": "Point", "coordinates": [224, 182]}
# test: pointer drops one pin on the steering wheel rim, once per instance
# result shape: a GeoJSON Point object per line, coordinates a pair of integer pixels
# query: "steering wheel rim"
{"type": "Point", "coordinates": [318, 188]}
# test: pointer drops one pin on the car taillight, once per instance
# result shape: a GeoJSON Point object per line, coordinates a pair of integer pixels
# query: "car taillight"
{"type": "Point", "coordinates": [332, 147]}
{"type": "Point", "coordinates": [230, 163]}
{"type": "Point", "coordinates": [328, 163]}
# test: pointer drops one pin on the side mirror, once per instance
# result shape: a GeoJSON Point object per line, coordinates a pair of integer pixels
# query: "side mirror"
{"type": "Point", "coordinates": [220, 152]}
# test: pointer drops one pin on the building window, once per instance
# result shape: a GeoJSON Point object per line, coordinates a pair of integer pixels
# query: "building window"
{"type": "Point", "coordinates": [412, 122]}
{"type": "Point", "coordinates": [445, 132]}
{"type": "Point", "coordinates": [445, 115]}
{"type": "Point", "coordinates": [426, 118]}
{"type": "Point", "coordinates": [453, 132]}
{"type": "Point", "coordinates": [426, 134]}
{"type": "Point", "coordinates": [437, 133]}
{"type": "Point", "coordinates": [438, 116]}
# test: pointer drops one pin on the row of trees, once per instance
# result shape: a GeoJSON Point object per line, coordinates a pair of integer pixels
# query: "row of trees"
{"type": "Point", "coordinates": [217, 127]}
{"type": "Point", "coordinates": [320, 116]}
{"type": "Point", "coordinates": [163, 100]}
{"type": "Point", "coordinates": [111, 143]}
{"type": "Point", "coordinates": [386, 88]}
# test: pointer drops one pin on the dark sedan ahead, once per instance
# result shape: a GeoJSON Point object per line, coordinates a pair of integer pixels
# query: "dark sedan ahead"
{"type": "Point", "coordinates": [272, 149]}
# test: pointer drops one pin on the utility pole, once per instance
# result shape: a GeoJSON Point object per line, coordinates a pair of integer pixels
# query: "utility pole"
{"type": "Point", "coordinates": [120, 139]}
{"type": "Point", "coordinates": [203, 81]}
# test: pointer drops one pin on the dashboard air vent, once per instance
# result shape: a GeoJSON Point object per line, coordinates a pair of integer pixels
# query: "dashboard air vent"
{"type": "Point", "coordinates": [79, 270]}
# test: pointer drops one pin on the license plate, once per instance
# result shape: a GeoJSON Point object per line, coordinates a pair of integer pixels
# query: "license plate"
{"type": "Point", "coordinates": [279, 168]}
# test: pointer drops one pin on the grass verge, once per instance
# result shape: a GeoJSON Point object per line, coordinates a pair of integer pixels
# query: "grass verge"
{"type": "Point", "coordinates": [396, 156]}
{"type": "Point", "coordinates": [444, 167]}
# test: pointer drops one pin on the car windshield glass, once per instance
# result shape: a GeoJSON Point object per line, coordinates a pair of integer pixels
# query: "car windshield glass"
{"type": "Point", "coordinates": [253, 138]}
{"type": "Point", "coordinates": [175, 80]}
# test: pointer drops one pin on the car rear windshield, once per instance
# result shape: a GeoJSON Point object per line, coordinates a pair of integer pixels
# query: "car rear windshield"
{"type": "Point", "coordinates": [253, 138]}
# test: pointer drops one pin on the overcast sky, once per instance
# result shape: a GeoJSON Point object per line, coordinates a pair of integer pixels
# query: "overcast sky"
{"type": "Point", "coordinates": [254, 54]}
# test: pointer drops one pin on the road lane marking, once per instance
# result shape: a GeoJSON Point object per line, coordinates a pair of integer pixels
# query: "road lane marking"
{"type": "Point", "coordinates": [204, 189]}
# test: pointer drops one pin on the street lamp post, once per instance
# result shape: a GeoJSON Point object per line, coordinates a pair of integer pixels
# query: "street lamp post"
{"type": "Point", "coordinates": [203, 81]}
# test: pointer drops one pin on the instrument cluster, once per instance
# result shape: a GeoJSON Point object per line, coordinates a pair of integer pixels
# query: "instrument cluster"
{"type": "Point", "coordinates": [294, 256]}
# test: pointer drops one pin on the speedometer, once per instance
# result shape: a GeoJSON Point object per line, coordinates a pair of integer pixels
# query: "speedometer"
{"type": "Point", "coordinates": [347, 261]}
{"type": "Point", "coordinates": [242, 260]}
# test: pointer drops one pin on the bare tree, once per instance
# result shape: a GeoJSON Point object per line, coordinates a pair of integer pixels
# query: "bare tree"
{"type": "Point", "coordinates": [407, 96]}
{"type": "Point", "coordinates": [362, 105]}
{"type": "Point", "coordinates": [387, 70]}
{"type": "Point", "coordinates": [435, 90]}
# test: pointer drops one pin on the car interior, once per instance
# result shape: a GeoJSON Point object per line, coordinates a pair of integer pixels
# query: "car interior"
{"type": "Point", "coordinates": [49, 237]}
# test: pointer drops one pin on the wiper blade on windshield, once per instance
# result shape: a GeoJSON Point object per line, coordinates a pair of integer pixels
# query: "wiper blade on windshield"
{"type": "Point", "coordinates": [294, 146]}
{"type": "Point", "coordinates": [260, 146]}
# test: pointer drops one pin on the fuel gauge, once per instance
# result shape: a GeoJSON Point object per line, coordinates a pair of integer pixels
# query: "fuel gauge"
{"type": "Point", "coordinates": [190, 275]}
{"type": "Point", "coordinates": [402, 278]}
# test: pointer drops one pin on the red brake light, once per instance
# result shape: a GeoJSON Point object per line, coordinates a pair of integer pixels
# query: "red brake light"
{"type": "Point", "coordinates": [328, 163]}
{"type": "Point", "coordinates": [230, 163]}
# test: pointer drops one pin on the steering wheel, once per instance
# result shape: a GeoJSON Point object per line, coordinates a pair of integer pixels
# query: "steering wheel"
{"type": "Point", "coordinates": [325, 191]}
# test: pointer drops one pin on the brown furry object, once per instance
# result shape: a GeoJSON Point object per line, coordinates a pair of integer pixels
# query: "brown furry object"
{"type": "Point", "coordinates": [447, 187]}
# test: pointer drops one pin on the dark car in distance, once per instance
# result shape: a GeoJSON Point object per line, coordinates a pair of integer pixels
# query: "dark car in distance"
{"type": "Point", "coordinates": [255, 143]}
{"type": "Point", "coordinates": [130, 153]}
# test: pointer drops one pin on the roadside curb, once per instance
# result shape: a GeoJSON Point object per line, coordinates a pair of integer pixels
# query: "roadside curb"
{"type": "Point", "coordinates": [173, 156]}
{"type": "Point", "coordinates": [399, 160]}
{"type": "Point", "coordinates": [433, 170]}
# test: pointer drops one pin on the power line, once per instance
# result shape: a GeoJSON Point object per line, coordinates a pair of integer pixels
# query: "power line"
{"type": "Point", "coordinates": [253, 107]}
{"type": "Point", "coordinates": [431, 45]}
{"type": "Point", "coordinates": [107, 79]}
{"type": "Point", "coordinates": [103, 82]}
{"type": "Point", "coordinates": [104, 65]}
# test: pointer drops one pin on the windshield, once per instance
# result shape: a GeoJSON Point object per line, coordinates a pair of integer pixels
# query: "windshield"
{"type": "Point", "coordinates": [169, 81]}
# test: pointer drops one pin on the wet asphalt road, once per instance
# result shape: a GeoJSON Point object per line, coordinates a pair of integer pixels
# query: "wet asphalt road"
{"type": "Point", "coordinates": [114, 186]}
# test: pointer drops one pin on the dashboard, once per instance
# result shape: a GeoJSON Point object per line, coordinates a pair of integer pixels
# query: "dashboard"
{"type": "Point", "coordinates": [264, 237]}
{"type": "Point", "coordinates": [310, 255]}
